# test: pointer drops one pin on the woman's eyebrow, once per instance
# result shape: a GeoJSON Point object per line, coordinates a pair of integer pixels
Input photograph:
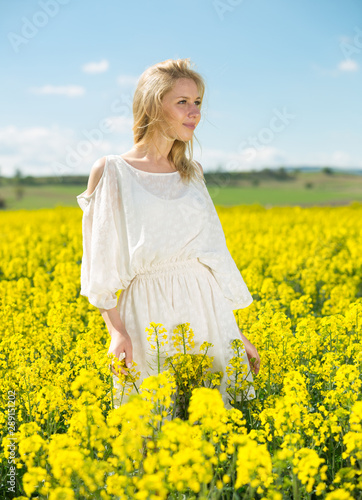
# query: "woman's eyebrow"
{"type": "Point", "coordinates": [186, 97]}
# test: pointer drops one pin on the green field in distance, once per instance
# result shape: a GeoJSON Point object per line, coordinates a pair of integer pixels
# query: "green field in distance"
{"type": "Point", "coordinates": [306, 189]}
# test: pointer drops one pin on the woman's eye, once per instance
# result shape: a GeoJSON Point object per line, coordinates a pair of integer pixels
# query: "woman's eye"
{"type": "Point", "coordinates": [198, 102]}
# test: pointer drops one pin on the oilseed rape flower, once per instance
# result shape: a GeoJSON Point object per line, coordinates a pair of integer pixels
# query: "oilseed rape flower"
{"type": "Point", "coordinates": [237, 371]}
{"type": "Point", "coordinates": [339, 494]}
{"type": "Point", "coordinates": [254, 464]}
{"type": "Point", "coordinates": [67, 435]}
{"type": "Point", "coordinates": [308, 465]}
{"type": "Point", "coordinates": [183, 338]}
{"type": "Point", "coordinates": [207, 408]}
{"type": "Point", "coordinates": [158, 339]}
{"type": "Point", "coordinates": [353, 439]}
{"type": "Point", "coordinates": [159, 389]}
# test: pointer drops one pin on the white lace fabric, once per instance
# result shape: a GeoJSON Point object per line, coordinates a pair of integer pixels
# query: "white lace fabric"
{"type": "Point", "coordinates": [135, 219]}
{"type": "Point", "coordinates": [161, 242]}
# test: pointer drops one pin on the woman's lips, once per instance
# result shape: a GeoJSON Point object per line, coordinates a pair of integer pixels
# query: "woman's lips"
{"type": "Point", "coordinates": [191, 126]}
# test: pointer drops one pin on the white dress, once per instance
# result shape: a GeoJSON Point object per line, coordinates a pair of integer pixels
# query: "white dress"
{"type": "Point", "coordinates": [161, 242]}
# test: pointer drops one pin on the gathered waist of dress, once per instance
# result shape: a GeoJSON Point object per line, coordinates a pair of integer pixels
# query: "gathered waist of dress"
{"type": "Point", "coordinates": [166, 267]}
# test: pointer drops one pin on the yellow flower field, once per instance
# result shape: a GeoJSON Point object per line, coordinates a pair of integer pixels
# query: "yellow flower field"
{"type": "Point", "coordinates": [301, 438]}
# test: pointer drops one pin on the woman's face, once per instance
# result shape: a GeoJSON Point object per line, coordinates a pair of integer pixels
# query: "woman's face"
{"type": "Point", "coordinates": [182, 109]}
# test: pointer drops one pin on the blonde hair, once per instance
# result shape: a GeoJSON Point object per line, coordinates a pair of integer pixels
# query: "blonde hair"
{"type": "Point", "coordinates": [148, 115]}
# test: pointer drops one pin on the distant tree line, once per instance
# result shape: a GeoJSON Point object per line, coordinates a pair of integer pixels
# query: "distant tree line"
{"type": "Point", "coordinates": [218, 177]}
{"type": "Point", "coordinates": [30, 180]}
{"type": "Point", "coordinates": [253, 176]}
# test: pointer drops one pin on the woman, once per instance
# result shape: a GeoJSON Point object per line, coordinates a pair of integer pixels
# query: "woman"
{"type": "Point", "coordinates": [151, 230]}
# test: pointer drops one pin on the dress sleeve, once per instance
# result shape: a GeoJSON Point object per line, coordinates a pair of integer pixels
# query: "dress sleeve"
{"type": "Point", "coordinates": [217, 257]}
{"type": "Point", "coordinates": [105, 263]}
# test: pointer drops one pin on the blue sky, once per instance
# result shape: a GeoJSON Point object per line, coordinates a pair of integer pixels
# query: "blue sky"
{"type": "Point", "coordinates": [283, 80]}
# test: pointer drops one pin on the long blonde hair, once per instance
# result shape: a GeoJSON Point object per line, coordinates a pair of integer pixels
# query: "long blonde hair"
{"type": "Point", "coordinates": [152, 85]}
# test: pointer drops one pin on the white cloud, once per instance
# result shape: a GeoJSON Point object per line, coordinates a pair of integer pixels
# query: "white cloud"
{"type": "Point", "coordinates": [60, 151]}
{"type": "Point", "coordinates": [67, 90]}
{"type": "Point", "coordinates": [96, 67]}
{"type": "Point", "coordinates": [344, 66]}
{"type": "Point", "coordinates": [249, 159]}
{"type": "Point", "coordinates": [341, 158]}
{"type": "Point", "coordinates": [348, 65]}
{"type": "Point", "coordinates": [325, 72]}
{"type": "Point", "coordinates": [337, 158]}
{"type": "Point", "coordinates": [345, 39]}
{"type": "Point", "coordinates": [127, 80]}
{"type": "Point", "coordinates": [271, 157]}
{"type": "Point", "coordinates": [120, 124]}
{"type": "Point", "coordinates": [64, 151]}
{"type": "Point", "coordinates": [31, 149]}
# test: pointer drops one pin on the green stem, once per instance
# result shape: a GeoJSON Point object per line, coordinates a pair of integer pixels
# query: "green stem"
{"type": "Point", "coordinates": [295, 488]}
{"type": "Point", "coordinates": [112, 386]}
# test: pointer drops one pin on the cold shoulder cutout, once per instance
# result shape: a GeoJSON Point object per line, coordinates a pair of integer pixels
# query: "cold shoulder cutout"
{"type": "Point", "coordinates": [97, 168]}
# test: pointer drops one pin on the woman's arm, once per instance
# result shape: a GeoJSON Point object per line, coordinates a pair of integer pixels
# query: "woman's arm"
{"type": "Point", "coordinates": [251, 352]}
{"type": "Point", "coordinates": [120, 340]}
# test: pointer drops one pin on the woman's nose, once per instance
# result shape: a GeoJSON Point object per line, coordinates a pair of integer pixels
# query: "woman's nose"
{"type": "Point", "coordinates": [194, 110]}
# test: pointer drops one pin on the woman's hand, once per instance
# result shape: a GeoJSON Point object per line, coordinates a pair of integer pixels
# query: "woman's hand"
{"type": "Point", "coordinates": [252, 353]}
{"type": "Point", "coordinates": [121, 346]}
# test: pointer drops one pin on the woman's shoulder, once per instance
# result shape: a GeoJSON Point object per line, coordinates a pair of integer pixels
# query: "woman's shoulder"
{"type": "Point", "coordinates": [96, 174]}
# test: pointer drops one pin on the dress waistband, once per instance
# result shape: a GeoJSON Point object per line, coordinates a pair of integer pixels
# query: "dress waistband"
{"type": "Point", "coordinates": [170, 267]}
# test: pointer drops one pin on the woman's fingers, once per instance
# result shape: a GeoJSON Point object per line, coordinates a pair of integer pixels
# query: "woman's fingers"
{"type": "Point", "coordinates": [117, 365]}
{"type": "Point", "coordinates": [113, 370]}
{"type": "Point", "coordinates": [121, 348]}
{"type": "Point", "coordinates": [254, 354]}
{"type": "Point", "coordinates": [254, 361]}
{"type": "Point", "coordinates": [128, 355]}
